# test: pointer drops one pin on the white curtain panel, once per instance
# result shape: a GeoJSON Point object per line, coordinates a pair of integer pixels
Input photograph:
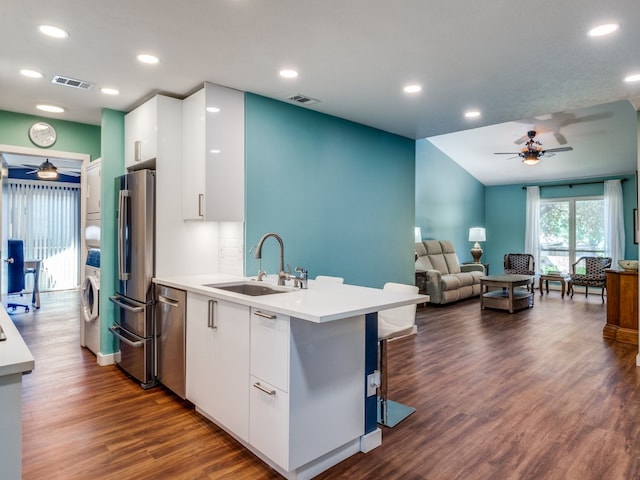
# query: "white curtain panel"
{"type": "Point", "coordinates": [614, 220]}
{"type": "Point", "coordinates": [532, 231]}
{"type": "Point", "coordinates": [46, 216]}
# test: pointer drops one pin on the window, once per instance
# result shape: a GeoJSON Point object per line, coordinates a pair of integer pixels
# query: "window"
{"type": "Point", "coordinates": [46, 216]}
{"type": "Point", "coordinates": [569, 229]}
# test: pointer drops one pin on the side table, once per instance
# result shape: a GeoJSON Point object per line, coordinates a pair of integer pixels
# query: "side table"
{"type": "Point", "coordinates": [564, 280]}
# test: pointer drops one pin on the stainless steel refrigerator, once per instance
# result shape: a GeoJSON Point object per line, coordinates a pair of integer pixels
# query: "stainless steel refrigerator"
{"type": "Point", "coordinates": [134, 324]}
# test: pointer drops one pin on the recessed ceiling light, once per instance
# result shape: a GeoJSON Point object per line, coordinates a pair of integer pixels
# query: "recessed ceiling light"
{"type": "Point", "coordinates": [146, 58]}
{"type": "Point", "coordinates": [412, 89]}
{"type": "Point", "coordinates": [31, 73]}
{"type": "Point", "coordinates": [472, 114]}
{"type": "Point", "coordinates": [633, 78]}
{"type": "Point", "coordinates": [213, 109]}
{"type": "Point", "coordinates": [50, 108]}
{"type": "Point", "coordinates": [288, 73]}
{"type": "Point", "coordinates": [602, 30]}
{"type": "Point", "coordinates": [110, 91]}
{"type": "Point", "coordinates": [52, 31]}
{"type": "Point", "coordinates": [215, 150]}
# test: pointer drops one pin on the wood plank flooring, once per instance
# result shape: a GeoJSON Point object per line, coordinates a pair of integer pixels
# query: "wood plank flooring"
{"type": "Point", "coordinates": [538, 394]}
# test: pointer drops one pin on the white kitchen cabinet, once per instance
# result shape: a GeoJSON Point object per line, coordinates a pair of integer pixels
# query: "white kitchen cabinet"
{"type": "Point", "coordinates": [94, 186]}
{"type": "Point", "coordinates": [141, 133]}
{"type": "Point", "coordinates": [307, 387]}
{"type": "Point", "coordinates": [217, 361]}
{"type": "Point", "coordinates": [213, 155]}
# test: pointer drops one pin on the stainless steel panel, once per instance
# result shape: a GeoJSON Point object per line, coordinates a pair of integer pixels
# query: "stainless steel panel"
{"type": "Point", "coordinates": [136, 356]}
{"type": "Point", "coordinates": [136, 240]}
{"type": "Point", "coordinates": [170, 327]}
{"type": "Point", "coordinates": [134, 316]}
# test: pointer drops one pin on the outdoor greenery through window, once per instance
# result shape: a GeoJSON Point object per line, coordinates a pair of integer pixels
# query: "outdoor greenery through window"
{"type": "Point", "coordinates": [569, 229]}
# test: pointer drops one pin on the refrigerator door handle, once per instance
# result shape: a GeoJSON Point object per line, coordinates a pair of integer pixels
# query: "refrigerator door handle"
{"type": "Point", "coordinates": [122, 222]}
{"type": "Point", "coordinates": [121, 302]}
{"type": "Point", "coordinates": [114, 329]}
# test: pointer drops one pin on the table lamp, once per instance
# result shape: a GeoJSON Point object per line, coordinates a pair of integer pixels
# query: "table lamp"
{"type": "Point", "coordinates": [477, 234]}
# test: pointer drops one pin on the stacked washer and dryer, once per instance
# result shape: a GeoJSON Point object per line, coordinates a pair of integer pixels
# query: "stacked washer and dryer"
{"type": "Point", "coordinates": [90, 292]}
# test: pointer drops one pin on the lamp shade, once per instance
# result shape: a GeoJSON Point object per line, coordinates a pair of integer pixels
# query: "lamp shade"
{"type": "Point", "coordinates": [418, 234]}
{"type": "Point", "coordinates": [477, 234]}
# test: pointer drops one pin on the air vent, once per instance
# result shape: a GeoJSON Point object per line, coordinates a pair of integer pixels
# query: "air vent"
{"type": "Point", "coordinates": [71, 82]}
{"type": "Point", "coordinates": [303, 99]}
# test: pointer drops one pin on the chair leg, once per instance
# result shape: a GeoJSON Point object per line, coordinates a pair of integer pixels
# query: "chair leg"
{"type": "Point", "coordinates": [390, 413]}
{"type": "Point", "coordinates": [586, 291]}
{"type": "Point", "coordinates": [383, 383]}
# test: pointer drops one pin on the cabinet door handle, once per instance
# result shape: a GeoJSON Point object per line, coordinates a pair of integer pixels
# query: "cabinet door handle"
{"type": "Point", "coordinates": [211, 317]}
{"type": "Point", "coordinates": [201, 204]}
{"type": "Point", "coordinates": [264, 389]}
{"type": "Point", "coordinates": [136, 150]}
{"type": "Point", "coordinates": [264, 315]}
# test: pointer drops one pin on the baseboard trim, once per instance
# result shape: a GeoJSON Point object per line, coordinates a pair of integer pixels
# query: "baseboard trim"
{"type": "Point", "coordinates": [104, 360]}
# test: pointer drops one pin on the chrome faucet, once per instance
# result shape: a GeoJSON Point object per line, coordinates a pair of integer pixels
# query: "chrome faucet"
{"type": "Point", "coordinates": [282, 275]}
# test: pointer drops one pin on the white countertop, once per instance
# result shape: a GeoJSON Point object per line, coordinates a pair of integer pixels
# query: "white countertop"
{"type": "Point", "coordinates": [320, 302]}
{"type": "Point", "coordinates": [15, 357]}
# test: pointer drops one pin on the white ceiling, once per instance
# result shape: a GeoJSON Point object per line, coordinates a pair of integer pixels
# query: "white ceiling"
{"type": "Point", "coordinates": [512, 60]}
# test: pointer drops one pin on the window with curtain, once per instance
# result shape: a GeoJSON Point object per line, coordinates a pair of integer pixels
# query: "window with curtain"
{"type": "Point", "coordinates": [46, 216]}
{"type": "Point", "coordinates": [569, 229]}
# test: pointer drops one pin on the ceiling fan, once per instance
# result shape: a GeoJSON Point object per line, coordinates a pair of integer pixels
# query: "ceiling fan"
{"type": "Point", "coordinates": [532, 150]}
{"type": "Point", "coordinates": [48, 171]}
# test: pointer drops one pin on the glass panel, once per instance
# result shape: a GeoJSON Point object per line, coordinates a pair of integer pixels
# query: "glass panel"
{"type": "Point", "coordinates": [554, 237]}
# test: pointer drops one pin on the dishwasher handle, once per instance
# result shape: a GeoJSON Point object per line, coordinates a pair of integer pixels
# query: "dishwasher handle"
{"type": "Point", "coordinates": [172, 302]}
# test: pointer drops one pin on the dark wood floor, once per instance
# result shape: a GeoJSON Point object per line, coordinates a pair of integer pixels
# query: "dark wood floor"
{"type": "Point", "coordinates": [538, 394]}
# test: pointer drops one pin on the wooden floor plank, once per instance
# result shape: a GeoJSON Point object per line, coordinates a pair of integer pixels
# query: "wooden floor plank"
{"type": "Point", "coordinates": [537, 394]}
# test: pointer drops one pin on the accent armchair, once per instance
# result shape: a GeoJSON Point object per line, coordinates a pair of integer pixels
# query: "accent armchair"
{"type": "Point", "coordinates": [589, 272]}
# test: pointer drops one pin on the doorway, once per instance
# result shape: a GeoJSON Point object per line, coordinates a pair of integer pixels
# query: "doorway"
{"type": "Point", "coordinates": [23, 162]}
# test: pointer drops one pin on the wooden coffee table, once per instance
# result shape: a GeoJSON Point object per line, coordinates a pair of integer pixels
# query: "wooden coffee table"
{"type": "Point", "coordinates": [499, 292]}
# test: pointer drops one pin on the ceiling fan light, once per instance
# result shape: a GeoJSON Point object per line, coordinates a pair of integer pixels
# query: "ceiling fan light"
{"type": "Point", "coordinates": [530, 160]}
{"type": "Point", "coordinates": [47, 171]}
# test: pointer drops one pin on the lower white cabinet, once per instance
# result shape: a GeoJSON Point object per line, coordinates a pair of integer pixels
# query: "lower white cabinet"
{"type": "Point", "coordinates": [292, 390]}
{"type": "Point", "coordinates": [218, 361]}
{"type": "Point", "coordinates": [307, 387]}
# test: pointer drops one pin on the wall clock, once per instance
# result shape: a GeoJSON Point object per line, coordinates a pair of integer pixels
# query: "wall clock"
{"type": "Point", "coordinates": [42, 134]}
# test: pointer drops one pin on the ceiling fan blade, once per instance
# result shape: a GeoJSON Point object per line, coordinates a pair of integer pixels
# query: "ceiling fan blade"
{"type": "Point", "coordinates": [560, 138]}
{"type": "Point", "coordinates": [559, 149]}
{"type": "Point", "coordinates": [33, 171]}
{"type": "Point", "coordinates": [505, 153]}
{"type": "Point", "coordinates": [68, 172]}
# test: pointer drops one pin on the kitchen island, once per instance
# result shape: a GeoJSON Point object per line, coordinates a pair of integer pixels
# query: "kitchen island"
{"type": "Point", "coordinates": [15, 360]}
{"type": "Point", "coordinates": [290, 374]}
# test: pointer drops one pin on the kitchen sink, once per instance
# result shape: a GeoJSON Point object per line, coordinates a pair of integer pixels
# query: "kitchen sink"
{"type": "Point", "coordinates": [253, 289]}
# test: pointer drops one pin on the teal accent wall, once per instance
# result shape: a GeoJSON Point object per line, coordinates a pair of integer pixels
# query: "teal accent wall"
{"type": "Point", "coordinates": [506, 214]}
{"type": "Point", "coordinates": [449, 200]}
{"type": "Point", "coordinates": [72, 137]}
{"type": "Point", "coordinates": [112, 167]}
{"type": "Point", "coordinates": [340, 194]}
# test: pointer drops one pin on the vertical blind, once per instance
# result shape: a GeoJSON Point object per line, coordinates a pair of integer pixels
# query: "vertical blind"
{"type": "Point", "coordinates": [46, 216]}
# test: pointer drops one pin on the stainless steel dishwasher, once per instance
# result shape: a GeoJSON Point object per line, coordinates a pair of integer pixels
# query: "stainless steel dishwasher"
{"type": "Point", "coordinates": [170, 328]}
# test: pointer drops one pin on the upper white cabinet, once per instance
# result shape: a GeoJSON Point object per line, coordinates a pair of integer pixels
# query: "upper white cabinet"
{"type": "Point", "coordinates": [93, 186]}
{"type": "Point", "coordinates": [213, 155]}
{"type": "Point", "coordinates": [141, 133]}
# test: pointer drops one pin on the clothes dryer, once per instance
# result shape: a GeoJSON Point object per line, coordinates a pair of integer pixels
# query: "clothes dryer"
{"type": "Point", "coordinates": [90, 302]}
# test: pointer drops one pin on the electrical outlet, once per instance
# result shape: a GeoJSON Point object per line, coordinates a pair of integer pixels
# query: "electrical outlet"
{"type": "Point", "coordinates": [373, 382]}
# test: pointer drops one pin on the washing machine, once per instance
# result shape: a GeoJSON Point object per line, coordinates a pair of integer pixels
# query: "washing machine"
{"type": "Point", "coordinates": [90, 290]}
{"type": "Point", "coordinates": [90, 302]}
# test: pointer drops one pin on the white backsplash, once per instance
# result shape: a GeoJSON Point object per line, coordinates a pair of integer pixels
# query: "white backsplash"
{"type": "Point", "coordinates": [231, 248]}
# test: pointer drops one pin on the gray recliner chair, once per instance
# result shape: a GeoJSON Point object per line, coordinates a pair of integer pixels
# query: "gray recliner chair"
{"type": "Point", "coordinates": [440, 274]}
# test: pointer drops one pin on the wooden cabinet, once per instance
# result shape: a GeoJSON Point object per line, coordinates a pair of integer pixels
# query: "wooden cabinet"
{"type": "Point", "coordinates": [94, 186]}
{"type": "Point", "coordinates": [218, 361]}
{"type": "Point", "coordinates": [213, 155]}
{"type": "Point", "coordinates": [622, 306]}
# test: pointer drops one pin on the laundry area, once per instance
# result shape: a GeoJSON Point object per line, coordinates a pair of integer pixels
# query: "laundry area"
{"type": "Point", "coordinates": [90, 290]}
